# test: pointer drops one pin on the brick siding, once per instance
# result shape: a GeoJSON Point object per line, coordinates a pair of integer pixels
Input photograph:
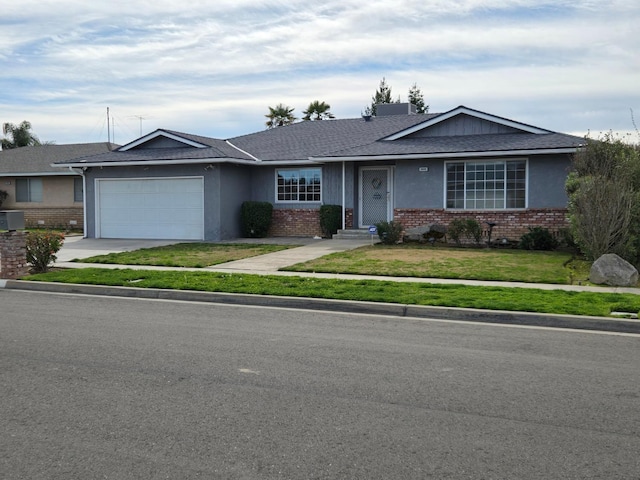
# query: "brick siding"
{"type": "Point", "coordinates": [300, 222]}
{"type": "Point", "coordinates": [54, 217]}
{"type": "Point", "coordinates": [511, 224]}
{"type": "Point", "coordinates": [295, 222]}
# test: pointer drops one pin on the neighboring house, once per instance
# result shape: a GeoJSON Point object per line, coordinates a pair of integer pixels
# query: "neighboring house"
{"type": "Point", "coordinates": [415, 169]}
{"type": "Point", "coordinates": [49, 196]}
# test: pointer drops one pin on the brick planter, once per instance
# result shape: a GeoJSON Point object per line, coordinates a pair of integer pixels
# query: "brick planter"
{"type": "Point", "coordinates": [13, 255]}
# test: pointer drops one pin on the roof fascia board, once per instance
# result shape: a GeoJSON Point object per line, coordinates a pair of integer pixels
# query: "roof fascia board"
{"type": "Point", "coordinates": [199, 161]}
{"type": "Point", "coordinates": [190, 162]}
{"type": "Point", "coordinates": [36, 174]}
{"type": "Point", "coordinates": [498, 153]}
{"type": "Point", "coordinates": [468, 111]}
{"type": "Point", "coordinates": [161, 133]}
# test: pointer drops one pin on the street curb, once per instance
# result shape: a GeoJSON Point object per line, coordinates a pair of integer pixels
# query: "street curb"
{"type": "Point", "coordinates": [605, 324]}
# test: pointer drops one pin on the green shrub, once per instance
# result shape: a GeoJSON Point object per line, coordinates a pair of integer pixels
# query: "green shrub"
{"type": "Point", "coordinates": [468, 228]}
{"type": "Point", "coordinates": [3, 196]}
{"type": "Point", "coordinates": [330, 219]}
{"type": "Point", "coordinates": [538, 238]}
{"type": "Point", "coordinates": [255, 219]}
{"type": "Point", "coordinates": [390, 233]}
{"type": "Point", "coordinates": [42, 248]}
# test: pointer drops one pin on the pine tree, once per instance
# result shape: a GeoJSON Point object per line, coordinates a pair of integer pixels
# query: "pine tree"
{"type": "Point", "coordinates": [382, 95]}
{"type": "Point", "coordinates": [416, 97]}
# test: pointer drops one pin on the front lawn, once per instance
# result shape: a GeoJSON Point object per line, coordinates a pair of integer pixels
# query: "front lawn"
{"type": "Point", "coordinates": [464, 296]}
{"type": "Point", "coordinates": [193, 255]}
{"type": "Point", "coordinates": [451, 262]}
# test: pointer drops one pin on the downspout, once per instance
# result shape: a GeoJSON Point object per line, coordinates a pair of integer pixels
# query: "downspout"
{"type": "Point", "coordinates": [344, 196]}
{"type": "Point", "coordinates": [84, 199]}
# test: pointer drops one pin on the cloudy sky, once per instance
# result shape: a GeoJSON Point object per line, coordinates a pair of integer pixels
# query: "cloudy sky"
{"type": "Point", "coordinates": [212, 67]}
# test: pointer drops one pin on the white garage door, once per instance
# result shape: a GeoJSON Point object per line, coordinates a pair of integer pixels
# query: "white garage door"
{"type": "Point", "coordinates": [160, 208]}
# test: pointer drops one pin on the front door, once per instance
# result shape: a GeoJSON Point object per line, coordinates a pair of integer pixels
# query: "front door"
{"type": "Point", "coordinates": [376, 195]}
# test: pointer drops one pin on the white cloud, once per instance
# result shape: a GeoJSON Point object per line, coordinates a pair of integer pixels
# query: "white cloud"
{"type": "Point", "coordinates": [213, 67]}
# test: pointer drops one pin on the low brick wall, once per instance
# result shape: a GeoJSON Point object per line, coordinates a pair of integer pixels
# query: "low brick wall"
{"type": "Point", "coordinates": [54, 217]}
{"type": "Point", "coordinates": [300, 222]}
{"type": "Point", "coordinates": [295, 222]}
{"type": "Point", "coordinates": [511, 224]}
{"type": "Point", "coordinates": [13, 255]}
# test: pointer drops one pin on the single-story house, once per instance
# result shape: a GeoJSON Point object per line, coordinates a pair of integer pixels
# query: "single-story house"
{"type": "Point", "coordinates": [417, 169]}
{"type": "Point", "coordinates": [50, 197]}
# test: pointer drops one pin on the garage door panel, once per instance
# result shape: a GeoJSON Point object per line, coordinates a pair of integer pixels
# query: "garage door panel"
{"type": "Point", "coordinates": [167, 208]}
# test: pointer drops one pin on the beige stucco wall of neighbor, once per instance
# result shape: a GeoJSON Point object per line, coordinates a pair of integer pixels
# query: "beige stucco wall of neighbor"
{"type": "Point", "coordinates": [57, 209]}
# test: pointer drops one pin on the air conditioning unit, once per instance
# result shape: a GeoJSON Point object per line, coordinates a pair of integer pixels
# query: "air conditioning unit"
{"type": "Point", "coordinates": [11, 220]}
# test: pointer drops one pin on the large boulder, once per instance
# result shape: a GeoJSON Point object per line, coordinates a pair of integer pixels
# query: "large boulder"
{"type": "Point", "coordinates": [612, 270]}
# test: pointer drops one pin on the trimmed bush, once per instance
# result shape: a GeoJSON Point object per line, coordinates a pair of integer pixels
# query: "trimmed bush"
{"type": "Point", "coordinates": [468, 228]}
{"type": "Point", "coordinates": [538, 238]}
{"type": "Point", "coordinates": [42, 248]}
{"type": "Point", "coordinates": [390, 233]}
{"type": "Point", "coordinates": [255, 219]}
{"type": "Point", "coordinates": [3, 196]}
{"type": "Point", "coordinates": [330, 219]}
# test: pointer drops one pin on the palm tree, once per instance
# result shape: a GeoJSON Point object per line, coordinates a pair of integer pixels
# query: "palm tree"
{"type": "Point", "coordinates": [280, 115]}
{"type": "Point", "coordinates": [20, 136]}
{"type": "Point", "coordinates": [319, 109]}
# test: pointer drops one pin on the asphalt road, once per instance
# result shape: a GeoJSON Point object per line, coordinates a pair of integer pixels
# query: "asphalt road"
{"type": "Point", "coordinates": [109, 388]}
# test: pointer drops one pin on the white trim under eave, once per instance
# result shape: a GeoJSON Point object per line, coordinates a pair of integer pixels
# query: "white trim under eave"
{"type": "Point", "coordinates": [292, 163]}
{"type": "Point", "coordinates": [37, 174]}
{"type": "Point", "coordinates": [503, 153]}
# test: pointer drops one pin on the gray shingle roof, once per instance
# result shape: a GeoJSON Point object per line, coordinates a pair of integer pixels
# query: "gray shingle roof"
{"type": "Point", "coordinates": [302, 140]}
{"type": "Point", "coordinates": [355, 137]}
{"type": "Point", "coordinates": [462, 143]}
{"type": "Point", "coordinates": [39, 159]}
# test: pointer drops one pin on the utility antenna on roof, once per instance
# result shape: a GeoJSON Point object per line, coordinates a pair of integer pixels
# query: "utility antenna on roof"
{"type": "Point", "coordinates": [140, 117]}
{"type": "Point", "coordinates": [108, 127]}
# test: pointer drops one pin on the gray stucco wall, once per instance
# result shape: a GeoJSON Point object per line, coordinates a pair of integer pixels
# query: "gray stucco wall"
{"type": "Point", "coordinates": [419, 189]}
{"type": "Point", "coordinates": [547, 176]}
{"type": "Point", "coordinates": [234, 190]}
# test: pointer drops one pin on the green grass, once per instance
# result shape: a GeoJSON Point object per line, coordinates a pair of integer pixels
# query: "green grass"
{"type": "Point", "coordinates": [193, 255]}
{"type": "Point", "coordinates": [492, 298]}
{"type": "Point", "coordinates": [455, 263]}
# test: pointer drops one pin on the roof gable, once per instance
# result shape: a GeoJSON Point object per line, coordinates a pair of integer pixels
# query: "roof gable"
{"type": "Point", "coordinates": [164, 139]}
{"type": "Point", "coordinates": [464, 121]}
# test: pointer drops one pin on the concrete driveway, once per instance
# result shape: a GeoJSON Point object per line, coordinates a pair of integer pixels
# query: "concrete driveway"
{"type": "Point", "coordinates": [79, 247]}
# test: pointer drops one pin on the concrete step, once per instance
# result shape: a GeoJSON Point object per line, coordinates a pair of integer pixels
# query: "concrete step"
{"type": "Point", "coordinates": [353, 234]}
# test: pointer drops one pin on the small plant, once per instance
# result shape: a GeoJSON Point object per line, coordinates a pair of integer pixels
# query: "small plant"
{"type": "Point", "coordinates": [330, 219]}
{"type": "Point", "coordinates": [538, 238]}
{"type": "Point", "coordinates": [256, 219]}
{"type": "Point", "coordinates": [42, 248]}
{"type": "Point", "coordinates": [390, 233]}
{"type": "Point", "coordinates": [3, 196]}
{"type": "Point", "coordinates": [468, 228]}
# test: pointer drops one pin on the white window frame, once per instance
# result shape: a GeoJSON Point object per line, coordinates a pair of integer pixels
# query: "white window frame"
{"type": "Point", "coordinates": [486, 161]}
{"type": "Point", "coordinates": [299, 171]}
